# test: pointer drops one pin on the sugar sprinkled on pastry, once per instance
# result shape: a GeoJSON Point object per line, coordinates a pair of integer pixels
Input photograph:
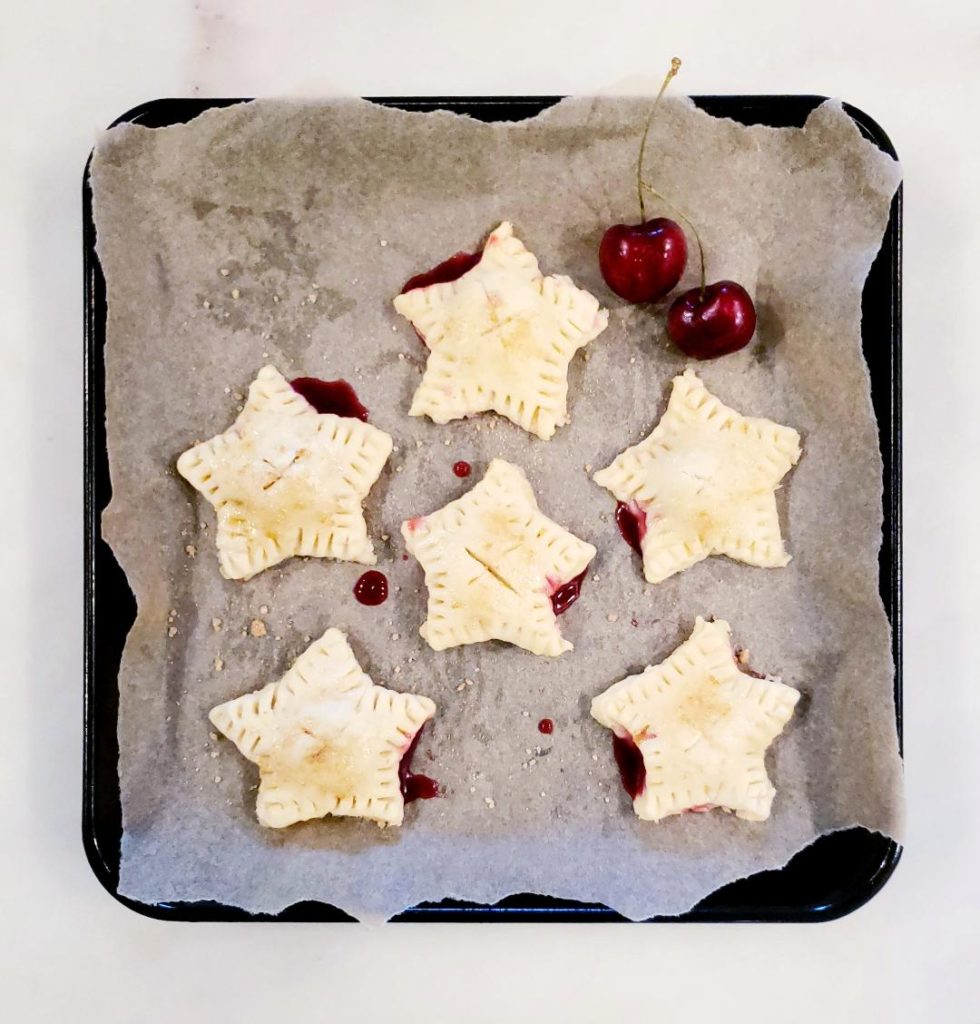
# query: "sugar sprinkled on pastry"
{"type": "Point", "coordinates": [496, 567]}
{"type": "Point", "coordinates": [500, 338]}
{"type": "Point", "coordinates": [286, 480]}
{"type": "Point", "coordinates": [691, 733]}
{"type": "Point", "coordinates": [703, 483]}
{"type": "Point", "coordinates": [326, 739]}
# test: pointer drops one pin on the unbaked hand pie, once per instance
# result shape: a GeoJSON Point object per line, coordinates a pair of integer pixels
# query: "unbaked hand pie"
{"type": "Point", "coordinates": [326, 739]}
{"type": "Point", "coordinates": [496, 567]}
{"type": "Point", "coordinates": [691, 733]}
{"type": "Point", "coordinates": [500, 336]}
{"type": "Point", "coordinates": [286, 480]}
{"type": "Point", "coordinates": [703, 483]}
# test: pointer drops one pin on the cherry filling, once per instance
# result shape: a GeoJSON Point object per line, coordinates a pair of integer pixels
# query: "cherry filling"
{"type": "Point", "coordinates": [371, 588]}
{"type": "Point", "coordinates": [546, 726]}
{"type": "Point", "coordinates": [629, 759]}
{"type": "Point", "coordinates": [330, 396]}
{"type": "Point", "coordinates": [566, 594]}
{"type": "Point", "coordinates": [415, 787]}
{"type": "Point", "coordinates": [462, 469]}
{"type": "Point", "coordinates": [443, 273]}
{"type": "Point", "coordinates": [632, 522]}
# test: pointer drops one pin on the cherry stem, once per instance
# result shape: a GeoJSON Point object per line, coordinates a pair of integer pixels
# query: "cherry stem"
{"type": "Point", "coordinates": [675, 66]}
{"type": "Point", "coordinates": [687, 220]}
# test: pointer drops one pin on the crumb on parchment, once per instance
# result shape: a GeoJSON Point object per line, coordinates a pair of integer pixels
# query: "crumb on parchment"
{"type": "Point", "coordinates": [257, 628]}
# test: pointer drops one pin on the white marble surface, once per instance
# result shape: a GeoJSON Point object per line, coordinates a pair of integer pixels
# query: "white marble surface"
{"type": "Point", "coordinates": [67, 951]}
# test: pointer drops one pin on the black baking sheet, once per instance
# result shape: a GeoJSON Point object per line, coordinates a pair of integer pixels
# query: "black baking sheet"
{"type": "Point", "coordinates": [831, 877]}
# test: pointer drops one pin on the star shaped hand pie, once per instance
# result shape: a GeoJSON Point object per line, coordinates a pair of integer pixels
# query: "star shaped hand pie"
{"type": "Point", "coordinates": [500, 338]}
{"type": "Point", "coordinates": [691, 733]}
{"type": "Point", "coordinates": [286, 480]}
{"type": "Point", "coordinates": [492, 563]}
{"type": "Point", "coordinates": [325, 738]}
{"type": "Point", "coordinates": [704, 483]}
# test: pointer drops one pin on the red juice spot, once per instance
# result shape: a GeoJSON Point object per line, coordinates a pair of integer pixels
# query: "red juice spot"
{"type": "Point", "coordinates": [415, 787]}
{"type": "Point", "coordinates": [564, 596]}
{"type": "Point", "coordinates": [546, 726]}
{"type": "Point", "coordinates": [462, 469]}
{"type": "Point", "coordinates": [404, 558]}
{"type": "Point", "coordinates": [371, 588]}
{"type": "Point", "coordinates": [632, 770]}
{"type": "Point", "coordinates": [449, 270]}
{"type": "Point", "coordinates": [330, 396]}
{"type": "Point", "coordinates": [632, 523]}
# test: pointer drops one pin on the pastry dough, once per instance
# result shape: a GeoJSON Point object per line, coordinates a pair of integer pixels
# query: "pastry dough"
{"type": "Point", "coordinates": [286, 480]}
{"type": "Point", "coordinates": [492, 561]}
{"type": "Point", "coordinates": [325, 738]}
{"type": "Point", "coordinates": [500, 338]}
{"type": "Point", "coordinates": [706, 480]}
{"type": "Point", "coordinates": [702, 727]}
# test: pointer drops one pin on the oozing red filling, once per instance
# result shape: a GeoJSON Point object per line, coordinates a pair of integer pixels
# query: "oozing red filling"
{"type": "Point", "coordinates": [462, 469]}
{"type": "Point", "coordinates": [443, 273]}
{"type": "Point", "coordinates": [566, 594]}
{"type": "Point", "coordinates": [415, 787]}
{"type": "Point", "coordinates": [632, 523]}
{"type": "Point", "coordinates": [632, 770]}
{"type": "Point", "coordinates": [371, 587]}
{"type": "Point", "coordinates": [546, 726]}
{"type": "Point", "coordinates": [334, 396]}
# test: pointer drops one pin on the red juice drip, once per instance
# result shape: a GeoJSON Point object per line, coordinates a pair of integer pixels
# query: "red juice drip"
{"type": "Point", "coordinates": [632, 770]}
{"type": "Point", "coordinates": [632, 523]}
{"type": "Point", "coordinates": [371, 588]}
{"type": "Point", "coordinates": [449, 270]}
{"type": "Point", "coordinates": [330, 396]}
{"type": "Point", "coordinates": [567, 594]}
{"type": "Point", "coordinates": [546, 726]}
{"type": "Point", "coordinates": [415, 787]}
{"type": "Point", "coordinates": [462, 469]}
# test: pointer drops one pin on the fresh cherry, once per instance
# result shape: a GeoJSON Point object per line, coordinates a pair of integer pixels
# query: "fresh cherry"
{"type": "Point", "coordinates": [712, 320]}
{"type": "Point", "coordinates": [643, 262]}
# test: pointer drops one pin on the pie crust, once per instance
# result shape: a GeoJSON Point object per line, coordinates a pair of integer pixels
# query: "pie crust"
{"type": "Point", "coordinates": [286, 480]}
{"type": "Point", "coordinates": [705, 479]}
{"type": "Point", "coordinates": [702, 727]}
{"type": "Point", "coordinates": [492, 561]}
{"type": "Point", "coordinates": [325, 738]}
{"type": "Point", "coordinates": [500, 338]}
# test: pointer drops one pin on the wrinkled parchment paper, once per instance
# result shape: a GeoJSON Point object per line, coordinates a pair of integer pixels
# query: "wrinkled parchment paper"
{"type": "Point", "coordinates": [313, 215]}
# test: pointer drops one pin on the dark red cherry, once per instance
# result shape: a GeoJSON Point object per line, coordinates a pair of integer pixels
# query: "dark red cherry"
{"type": "Point", "coordinates": [642, 262]}
{"type": "Point", "coordinates": [712, 322]}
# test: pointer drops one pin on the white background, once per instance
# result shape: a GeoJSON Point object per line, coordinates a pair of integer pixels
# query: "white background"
{"type": "Point", "coordinates": [68, 952]}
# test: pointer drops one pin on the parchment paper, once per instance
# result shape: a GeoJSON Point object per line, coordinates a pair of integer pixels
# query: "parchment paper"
{"type": "Point", "coordinates": [344, 201]}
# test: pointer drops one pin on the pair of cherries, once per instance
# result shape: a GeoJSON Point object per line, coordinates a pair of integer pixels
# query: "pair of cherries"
{"type": "Point", "coordinates": [643, 263]}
